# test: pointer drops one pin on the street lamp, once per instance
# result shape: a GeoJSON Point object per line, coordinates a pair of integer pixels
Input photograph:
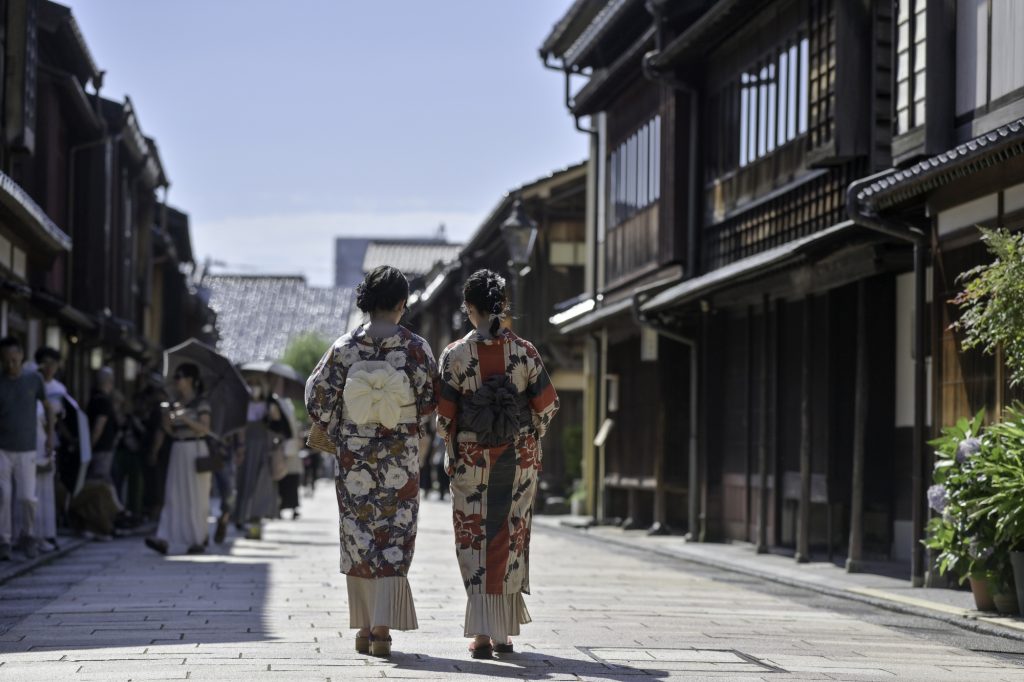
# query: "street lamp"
{"type": "Point", "coordinates": [520, 234]}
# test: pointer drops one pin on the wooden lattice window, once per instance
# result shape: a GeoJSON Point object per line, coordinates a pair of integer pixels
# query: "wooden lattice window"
{"type": "Point", "coordinates": [910, 64]}
{"type": "Point", "coordinates": [813, 207]}
{"type": "Point", "coordinates": [772, 101]}
{"type": "Point", "coordinates": [822, 33]}
{"type": "Point", "coordinates": [634, 173]}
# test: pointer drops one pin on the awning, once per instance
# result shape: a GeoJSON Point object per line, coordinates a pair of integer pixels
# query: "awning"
{"type": "Point", "coordinates": [40, 227]}
{"type": "Point", "coordinates": [975, 155]}
{"type": "Point", "coordinates": [742, 270]}
{"type": "Point", "coordinates": [63, 311]}
{"type": "Point", "coordinates": [704, 33]}
{"type": "Point", "coordinates": [599, 315]}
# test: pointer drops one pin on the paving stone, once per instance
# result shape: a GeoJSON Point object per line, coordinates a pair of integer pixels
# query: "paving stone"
{"type": "Point", "coordinates": [276, 610]}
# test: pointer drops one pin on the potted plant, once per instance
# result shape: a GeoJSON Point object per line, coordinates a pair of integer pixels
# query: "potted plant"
{"type": "Point", "coordinates": [966, 543]}
{"type": "Point", "coordinates": [1002, 470]}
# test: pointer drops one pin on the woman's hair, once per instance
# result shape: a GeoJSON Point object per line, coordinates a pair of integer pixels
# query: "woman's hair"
{"type": "Point", "coordinates": [190, 370]}
{"type": "Point", "coordinates": [383, 288]}
{"type": "Point", "coordinates": [485, 289]}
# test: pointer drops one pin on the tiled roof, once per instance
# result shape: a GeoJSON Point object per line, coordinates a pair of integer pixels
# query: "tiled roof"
{"type": "Point", "coordinates": [258, 315]}
{"type": "Point", "coordinates": [414, 258]}
{"type": "Point", "coordinates": [981, 152]}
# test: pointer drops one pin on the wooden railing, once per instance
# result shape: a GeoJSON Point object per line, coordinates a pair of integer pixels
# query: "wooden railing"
{"type": "Point", "coordinates": [632, 245]}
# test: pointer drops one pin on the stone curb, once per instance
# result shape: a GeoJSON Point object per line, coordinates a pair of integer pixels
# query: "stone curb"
{"type": "Point", "coordinates": [16, 569]}
{"type": "Point", "coordinates": [974, 621]}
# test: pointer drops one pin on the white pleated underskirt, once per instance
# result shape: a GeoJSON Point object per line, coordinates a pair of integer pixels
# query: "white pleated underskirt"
{"type": "Point", "coordinates": [497, 616]}
{"type": "Point", "coordinates": [384, 602]}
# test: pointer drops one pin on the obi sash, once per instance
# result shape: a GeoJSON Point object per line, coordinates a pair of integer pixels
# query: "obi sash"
{"type": "Point", "coordinates": [377, 393]}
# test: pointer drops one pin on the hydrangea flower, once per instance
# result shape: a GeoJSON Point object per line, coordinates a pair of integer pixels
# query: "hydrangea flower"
{"type": "Point", "coordinates": [966, 448]}
{"type": "Point", "coordinates": [938, 498]}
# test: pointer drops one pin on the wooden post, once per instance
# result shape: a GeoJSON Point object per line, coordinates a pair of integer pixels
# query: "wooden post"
{"type": "Point", "coordinates": [803, 527]}
{"type": "Point", "coordinates": [748, 464]}
{"type": "Point", "coordinates": [762, 445]}
{"type": "Point", "coordinates": [659, 525]}
{"type": "Point", "coordinates": [860, 421]}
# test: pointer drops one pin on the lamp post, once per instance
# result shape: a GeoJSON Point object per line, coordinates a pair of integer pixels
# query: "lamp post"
{"type": "Point", "coordinates": [520, 234]}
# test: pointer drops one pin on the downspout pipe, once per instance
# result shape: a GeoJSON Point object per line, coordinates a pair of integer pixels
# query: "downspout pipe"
{"type": "Point", "coordinates": [567, 71]}
{"type": "Point", "coordinates": [693, 97]}
{"type": "Point", "coordinates": [693, 473]}
{"type": "Point", "coordinates": [868, 217]}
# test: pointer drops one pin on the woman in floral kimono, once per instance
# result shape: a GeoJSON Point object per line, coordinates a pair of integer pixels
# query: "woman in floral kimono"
{"type": "Point", "coordinates": [495, 403]}
{"type": "Point", "coordinates": [372, 393]}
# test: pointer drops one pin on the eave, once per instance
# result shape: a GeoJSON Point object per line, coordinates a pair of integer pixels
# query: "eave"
{"type": "Point", "coordinates": [604, 84]}
{"type": "Point", "coordinates": [704, 33]}
{"type": "Point", "coordinates": [59, 20]}
{"type": "Point", "coordinates": [535, 189]}
{"type": "Point", "coordinates": [567, 29]}
{"type": "Point", "coordinates": [69, 85]}
{"type": "Point", "coordinates": [903, 186]}
{"type": "Point", "coordinates": [601, 27]}
{"type": "Point", "coordinates": [41, 229]}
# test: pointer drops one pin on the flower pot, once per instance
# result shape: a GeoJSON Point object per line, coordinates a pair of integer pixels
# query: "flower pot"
{"type": "Point", "coordinates": [982, 594]}
{"type": "Point", "coordinates": [1017, 561]}
{"type": "Point", "coordinates": [1005, 599]}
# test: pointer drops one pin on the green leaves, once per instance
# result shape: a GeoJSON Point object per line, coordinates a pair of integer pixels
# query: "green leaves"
{"type": "Point", "coordinates": [992, 302]}
{"type": "Point", "coordinates": [983, 477]}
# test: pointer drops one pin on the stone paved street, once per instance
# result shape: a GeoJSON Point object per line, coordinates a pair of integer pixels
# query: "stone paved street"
{"type": "Point", "coordinates": [276, 609]}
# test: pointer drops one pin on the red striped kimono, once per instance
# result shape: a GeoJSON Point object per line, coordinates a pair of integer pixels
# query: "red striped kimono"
{"type": "Point", "coordinates": [493, 488]}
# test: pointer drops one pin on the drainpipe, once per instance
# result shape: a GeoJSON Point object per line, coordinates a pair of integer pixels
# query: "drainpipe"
{"type": "Point", "coordinates": [916, 236]}
{"type": "Point", "coordinates": [693, 483]}
{"type": "Point", "coordinates": [657, 11]}
{"type": "Point", "coordinates": [567, 71]}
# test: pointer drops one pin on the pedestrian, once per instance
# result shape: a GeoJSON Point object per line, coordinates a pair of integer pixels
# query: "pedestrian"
{"type": "Point", "coordinates": [103, 422]}
{"type": "Point", "coordinates": [48, 362]}
{"type": "Point", "coordinates": [291, 448]}
{"type": "Point", "coordinates": [437, 452]}
{"type": "Point", "coordinates": [257, 494]}
{"type": "Point", "coordinates": [20, 392]}
{"type": "Point", "coordinates": [153, 453]}
{"type": "Point", "coordinates": [312, 462]}
{"type": "Point", "coordinates": [372, 393]}
{"type": "Point", "coordinates": [496, 401]}
{"type": "Point", "coordinates": [183, 519]}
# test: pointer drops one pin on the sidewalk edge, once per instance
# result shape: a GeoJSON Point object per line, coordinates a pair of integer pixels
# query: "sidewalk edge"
{"type": "Point", "coordinates": [975, 621]}
{"type": "Point", "coordinates": [22, 568]}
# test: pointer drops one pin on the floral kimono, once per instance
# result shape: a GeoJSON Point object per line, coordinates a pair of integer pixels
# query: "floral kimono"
{"type": "Point", "coordinates": [373, 397]}
{"type": "Point", "coordinates": [487, 384]}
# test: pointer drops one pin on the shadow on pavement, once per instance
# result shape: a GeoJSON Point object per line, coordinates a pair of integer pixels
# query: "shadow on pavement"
{"type": "Point", "coordinates": [525, 666]}
{"type": "Point", "coordinates": [121, 595]}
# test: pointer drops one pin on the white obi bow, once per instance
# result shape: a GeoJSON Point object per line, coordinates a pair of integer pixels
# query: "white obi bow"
{"type": "Point", "coordinates": [376, 393]}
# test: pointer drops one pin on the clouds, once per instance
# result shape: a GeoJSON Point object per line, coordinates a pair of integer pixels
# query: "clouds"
{"type": "Point", "coordinates": [303, 243]}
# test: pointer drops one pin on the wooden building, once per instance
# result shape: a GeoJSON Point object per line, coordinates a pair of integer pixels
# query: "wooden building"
{"type": "Point", "coordinates": [552, 272]}
{"type": "Point", "coordinates": [959, 164]}
{"type": "Point", "coordinates": [740, 297]}
{"type": "Point", "coordinates": [83, 229]}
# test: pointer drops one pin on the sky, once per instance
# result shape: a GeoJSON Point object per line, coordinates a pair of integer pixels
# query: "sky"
{"type": "Point", "coordinates": [283, 125]}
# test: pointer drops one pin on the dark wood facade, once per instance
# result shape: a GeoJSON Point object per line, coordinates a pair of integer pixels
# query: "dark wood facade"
{"type": "Point", "coordinates": [769, 112]}
{"type": "Point", "coordinates": [81, 244]}
{"type": "Point", "coordinates": [555, 273]}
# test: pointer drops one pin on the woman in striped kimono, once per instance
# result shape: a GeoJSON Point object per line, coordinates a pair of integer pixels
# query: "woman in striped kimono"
{"type": "Point", "coordinates": [496, 401]}
{"type": "Point", "coordinates": [372, 394]}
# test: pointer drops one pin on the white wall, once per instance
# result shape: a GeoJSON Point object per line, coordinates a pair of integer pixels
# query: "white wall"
{"type": "Point", "coordinates": [905, 351]}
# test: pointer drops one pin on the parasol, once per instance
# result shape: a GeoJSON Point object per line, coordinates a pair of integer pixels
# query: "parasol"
{"type": "Point", "coordinates": [223, 386]}
{"type": "Point", "coordinates": [293, 386]}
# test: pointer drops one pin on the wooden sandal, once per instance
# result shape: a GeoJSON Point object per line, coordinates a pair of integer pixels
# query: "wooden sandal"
{"type": "Point", "coordinates": [480, 650]}
{"type": "Point", "coordinates": [362, 644]}
{"type": "Point", "coordinates": [380, 647]}
{"type": "Point", "coordinates": [502, 648]}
